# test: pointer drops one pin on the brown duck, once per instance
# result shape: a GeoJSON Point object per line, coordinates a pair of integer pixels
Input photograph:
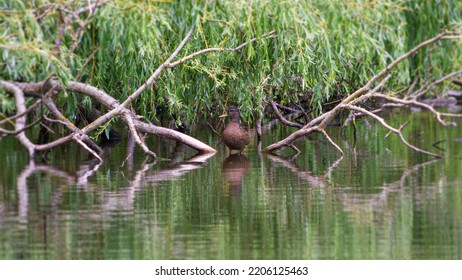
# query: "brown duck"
{"type": "Point", "coordinates": [235, 136]}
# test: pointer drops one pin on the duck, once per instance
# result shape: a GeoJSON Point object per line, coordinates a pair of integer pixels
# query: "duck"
{"type": "Point", "coordinates": [235, 136]}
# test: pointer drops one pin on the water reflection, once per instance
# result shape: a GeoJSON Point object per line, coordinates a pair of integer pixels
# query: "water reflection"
{"type": "Point", "coordinates": [120, 199]}
{"type": "Point", "coordinates": [235, 167]}
{"type": "Point", "coordinates": [378, 201]}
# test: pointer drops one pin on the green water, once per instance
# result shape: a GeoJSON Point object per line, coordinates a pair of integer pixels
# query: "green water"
{"type": "Point", "coordinates": [380, 201]}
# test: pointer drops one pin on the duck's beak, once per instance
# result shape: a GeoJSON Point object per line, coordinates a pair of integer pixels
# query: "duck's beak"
{"type": "Point", "coordinates": [223, 116]}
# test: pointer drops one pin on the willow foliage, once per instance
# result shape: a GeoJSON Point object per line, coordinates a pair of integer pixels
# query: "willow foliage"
{"type": "Point", "coordinates": [323, 49]}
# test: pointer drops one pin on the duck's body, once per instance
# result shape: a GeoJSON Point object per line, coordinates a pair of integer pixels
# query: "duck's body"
{"type": "Point", "coordinates": [235, 136]}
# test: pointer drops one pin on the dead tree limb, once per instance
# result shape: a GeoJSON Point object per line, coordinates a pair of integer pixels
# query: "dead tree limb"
{"type": "Point", "coordinates": [79, 137]}
{"type": "Point", "coordinates": [20, 121]}
{"type": "Point", "coordinates": [368, 91]}
{"type": "Point", "coordinates": [109, 102]}
{"type": "Point", "coordinates": [115, 107]}
{"type": "Point", "coordinates": [281, 117]}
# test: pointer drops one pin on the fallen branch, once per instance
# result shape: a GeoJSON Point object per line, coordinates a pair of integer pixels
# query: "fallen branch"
{"type": "Point", "coordinates": [20, 121]}
{"type": "Point", "coordinates": [109, 102]}
{"type": "Point", "coordinates": [415, 103]}
{"type": "Point", "coordinates": [281, 117]}
{"type": "Point", "coordinates": [115, 107]}
{"type": "Point", "coordinates": [79, 137]}
{"type": "Point", "coordinates": [331, 141]}
{"type": "Point", "coordinates": [366, 92]}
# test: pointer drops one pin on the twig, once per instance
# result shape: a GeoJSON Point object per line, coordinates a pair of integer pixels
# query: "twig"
{"type": "Point", "coordinates": [281, 117]}
{"type": "Point", "coordinates": [91, 9]}
{"type": "Point", "coordinates": [28, 110]}
{"type": "Point", "coordinates": [425, 89]}
{"type": "Point", "coordinates": [213, 129]}
{"type": "Point", "coordinates": [137, 138]}
{"type": "Point", "coordinates": [16, 132]}
{"type": "Point", "coordinates": [79, 140]}
{"type": "Point", "coordinates": [86, 63]}
{"type": "Point", "coordinates": [422, 105]}
{"type": "Point", "coordinates": [331, 141]}
{"type": "Point", "coordinates": [401, 127]}
{"type": "Point", "coordinates": [297, 150]}
{"type": "Point", "coordinates": [288, 109]}
{"type": "Point", "coordinates": [45, 126]}
{"type": "Point", "coordinates": [411, 88]}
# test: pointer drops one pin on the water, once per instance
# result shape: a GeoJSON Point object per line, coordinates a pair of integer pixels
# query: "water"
{"type": "Point", "coordinates": [380, 201]}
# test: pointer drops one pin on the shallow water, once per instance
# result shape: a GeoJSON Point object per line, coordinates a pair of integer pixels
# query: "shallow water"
{"type": "Point", "coordinates": [380, 201]}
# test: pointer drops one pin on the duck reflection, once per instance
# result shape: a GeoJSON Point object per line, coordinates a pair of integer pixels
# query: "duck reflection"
{"type": "Point", "coordinates": [235, 167]}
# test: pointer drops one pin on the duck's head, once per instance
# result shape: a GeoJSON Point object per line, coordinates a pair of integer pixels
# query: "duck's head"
{"type": "Point", "coordinates": [233, 113]}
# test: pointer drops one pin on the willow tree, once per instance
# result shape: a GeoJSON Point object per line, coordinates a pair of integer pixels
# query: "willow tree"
{"type": "Point", "coordinates": [157, 66]}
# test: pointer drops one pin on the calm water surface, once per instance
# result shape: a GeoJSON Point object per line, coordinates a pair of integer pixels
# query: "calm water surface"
{"type": "Point", "coordinates": [380, 201]}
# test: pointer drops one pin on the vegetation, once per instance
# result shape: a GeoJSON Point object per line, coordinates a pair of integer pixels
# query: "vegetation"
{"type": "Point", "coordinates": [304, 54]}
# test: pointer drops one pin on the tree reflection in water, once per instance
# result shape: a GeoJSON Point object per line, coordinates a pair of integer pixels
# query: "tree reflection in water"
{"type": "Point", "coordinates": [120, 199]}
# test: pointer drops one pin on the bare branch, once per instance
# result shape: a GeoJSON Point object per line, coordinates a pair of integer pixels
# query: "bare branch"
{"type": "Point", "coordinates": [69, 125]}
{"type": "Point", "coordinates": [331, 141]}
{"type": "Point", "coordinates": [16, 132]}
{"type": "Point", "coordinates": [89, 58]}
{"type": "Point", "coordinates": [290, 139]}
{"type": "Point", "coordinates": [135, 135]}
{"type": "Point", "coordinates": [297, 150]}
{"type": "Point", "coordinates": [78, 140]}
{"type": "Point", "coordinates": [20, 121]}
{"type": "Point", "coordinates": [425, 89]}
{"type": "Point", "coordinates": [90, 7]}
{"type": "Point", "coordinates": [323, 120]}
{"type": "Point", "coordinates": [281, 117]}
{"type": "Point", "coordinates": [422, 105]}
{"type": "Point", "coordinates": [28, 110]}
